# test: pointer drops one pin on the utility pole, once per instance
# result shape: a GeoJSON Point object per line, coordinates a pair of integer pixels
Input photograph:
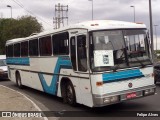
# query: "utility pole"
{"type": "Point", "coordinates": [92, 8]}
{"type": "Point", "coordinates": [61, 13]}
{"type": "Point", "coordinates": [1, 15]}
{"type": "Point", "coordinates": [151, 29]}
{"type": "Point", "coordinates": [134, 13]}
{"type": "Point", "coordinates": [9, 6]}
{"type": "Point", "coordinates": [156, 36]}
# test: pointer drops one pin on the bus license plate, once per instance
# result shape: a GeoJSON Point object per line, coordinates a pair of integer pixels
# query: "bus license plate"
{"type": "Point", "coordinates": [131, 95]}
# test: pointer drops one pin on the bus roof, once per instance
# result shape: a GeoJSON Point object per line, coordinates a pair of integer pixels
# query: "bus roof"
{"type": "Point", "coordinates": [109, 24]}
{"type": "Point", "coordinates": [89, 25]}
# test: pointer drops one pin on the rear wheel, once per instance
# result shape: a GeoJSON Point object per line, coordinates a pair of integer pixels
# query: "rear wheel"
{"type": "Point", "coordinates": [70, 94]}
{"type": "Point", "coordinates": [18, 80]}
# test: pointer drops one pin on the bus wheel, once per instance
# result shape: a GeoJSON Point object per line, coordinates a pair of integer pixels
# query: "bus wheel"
{"type": "Point", "coordinates": [18, 80]}
{"type": "Point", "coordinates": [70, 94]}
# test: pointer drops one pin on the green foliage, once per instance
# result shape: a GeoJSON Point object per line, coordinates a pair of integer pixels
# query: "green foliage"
{"type": "Point", "coordinates": [17, 28]}
{"type": "Point", "coordinates": [158, 51]}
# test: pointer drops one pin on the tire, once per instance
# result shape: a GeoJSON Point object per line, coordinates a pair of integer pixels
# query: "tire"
{"type": "Point", "coordinates": [18, 81]}
{"type": "Point", "coordinates": [70, 94]}
{"type": "Point", "coordinates": [155, 81]}
{"type": "Point", "coordinates": [156, 78]}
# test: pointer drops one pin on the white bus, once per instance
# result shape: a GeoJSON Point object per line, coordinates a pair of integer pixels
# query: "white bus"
{"type": "Point", "coordinates": [95, 63]}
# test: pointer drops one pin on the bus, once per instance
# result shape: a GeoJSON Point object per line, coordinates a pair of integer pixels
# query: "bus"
{"type": "Point", "coordinates": [94, 63]}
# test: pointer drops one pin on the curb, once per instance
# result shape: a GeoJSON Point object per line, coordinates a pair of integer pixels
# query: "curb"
{"type": "Point", "coordinates": [28, 99]}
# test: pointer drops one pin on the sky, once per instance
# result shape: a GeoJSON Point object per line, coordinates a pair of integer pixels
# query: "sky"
{"type": "Point", "coordinates": [81, 10]}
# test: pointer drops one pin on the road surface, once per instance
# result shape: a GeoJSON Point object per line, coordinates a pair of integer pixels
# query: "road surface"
{"type": "Point", "coordinates": [51, 103]}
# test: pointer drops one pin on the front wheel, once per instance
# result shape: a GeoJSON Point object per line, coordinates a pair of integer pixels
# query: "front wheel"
{"type": "Point", "coordinates": [70, 94]}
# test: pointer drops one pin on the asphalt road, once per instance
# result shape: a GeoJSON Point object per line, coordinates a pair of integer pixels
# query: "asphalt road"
{"type": "Point", "coordinates": [51, 103]}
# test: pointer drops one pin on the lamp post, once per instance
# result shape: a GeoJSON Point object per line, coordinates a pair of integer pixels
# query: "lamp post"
{"type": "Point", "coordinates": [92, 8]}
{"type": "Point", "coordinates": [151, 29]}
{"type": "Point", "coordinates": [11, 9]}
{"type": "Point", "coordinates": [156, 36]}
{"type": "Point", "coordinates": [134, 12]}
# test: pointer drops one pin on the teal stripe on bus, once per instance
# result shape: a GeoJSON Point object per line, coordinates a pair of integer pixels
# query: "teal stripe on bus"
{"type": "Point", "coordinates": [18, 61]}
{"type": "Point", "coordinates": [62, 62]}
{"type": "Point", "coordinates": [122, 75]}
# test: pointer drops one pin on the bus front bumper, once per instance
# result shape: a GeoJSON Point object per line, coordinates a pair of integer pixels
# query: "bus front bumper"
{"type": "Point", "coordinates": [112, 98]}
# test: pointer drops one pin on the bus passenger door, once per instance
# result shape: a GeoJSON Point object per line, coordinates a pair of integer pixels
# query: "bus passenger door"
{"type": "Point", "coordinates": [78, 53]}
{"type": "Point", "coordinates": [79, 62]}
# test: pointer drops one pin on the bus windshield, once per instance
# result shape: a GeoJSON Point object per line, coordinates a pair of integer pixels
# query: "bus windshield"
{"type": "Point", "coordinates": [118, 49]}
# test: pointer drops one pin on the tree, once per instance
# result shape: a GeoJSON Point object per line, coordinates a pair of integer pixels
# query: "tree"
{"type": "Point", "coordinates": [17, 28]}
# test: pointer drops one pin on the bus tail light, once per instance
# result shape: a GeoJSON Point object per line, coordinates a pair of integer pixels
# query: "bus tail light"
{"type": "Point", "coordinates": [98, 84]}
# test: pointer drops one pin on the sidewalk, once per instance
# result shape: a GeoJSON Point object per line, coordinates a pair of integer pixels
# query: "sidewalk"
{"type": "Point", "coordinates": [11, 100]}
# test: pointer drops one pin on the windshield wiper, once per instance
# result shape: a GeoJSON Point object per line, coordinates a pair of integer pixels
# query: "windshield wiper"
{"type": "Point", "coordinates": [136, 57]}
{"type": "Point", "coordinates": [140, 62]}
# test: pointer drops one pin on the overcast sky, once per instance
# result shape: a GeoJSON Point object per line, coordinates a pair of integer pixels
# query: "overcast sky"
{"type": "Point", "coordinates": [80, 10]}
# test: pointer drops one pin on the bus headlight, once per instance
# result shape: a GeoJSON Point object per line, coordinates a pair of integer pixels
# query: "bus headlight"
{"type": "Point", "coordinates": [112, 99]}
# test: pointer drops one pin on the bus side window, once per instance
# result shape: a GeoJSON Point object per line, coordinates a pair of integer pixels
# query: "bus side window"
{"type": "Point", "coordinates": [24, 49]}
{"type": "Point", "coordinates": [45, 46]}
{"type": "Point", "coordinates": [73, 52]}
{"type": "Point", "coordinates": [33, 47]}
{"type": "Point", "coordinates": [17, 50]}
{"type": "Point", "coordinates": [10, 51]}
{"type": "Point", "coordinates": [60, 43]}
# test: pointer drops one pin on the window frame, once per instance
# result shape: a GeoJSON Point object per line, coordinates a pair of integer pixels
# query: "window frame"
{"type": "Point", "coordinates": [53, 42]}
{"type": "Point", "coordinates": [8, 52]}
{"type": "Point", "coordinates": [26, 55]}
{"type": "Point", "coordinates": [51, 46]}
{"type": "Point", "coordinates": [79, 56]}
{"type": "Point", "coordinates": [19, 49]}
{"type": "Point", "coordinates": [74, 63]}
{"type": "Point", "coordinates": [33, 55]}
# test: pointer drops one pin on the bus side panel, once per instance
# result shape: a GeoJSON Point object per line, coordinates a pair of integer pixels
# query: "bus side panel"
{"type": "Point", "coordinates": [11, 73]}
{"type": "Point", "coordinates": [31, 79]}
{"type": "Point", "coordinates": [81, 85]}
{"type": "Point", "coordinates": [24, 74]}
{"type": "Point", "coordinates": [40, 68]}
{"type": "Point", "coordinates": [86, 94]}
{"type": "Point", "coordinates": [94, 79]}
{"type": "Point", "coordinates": [25, 77]}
